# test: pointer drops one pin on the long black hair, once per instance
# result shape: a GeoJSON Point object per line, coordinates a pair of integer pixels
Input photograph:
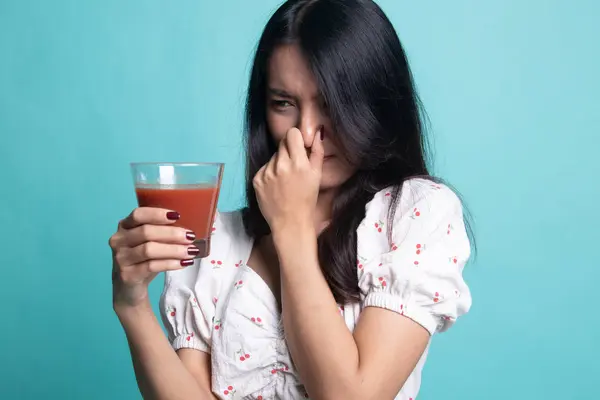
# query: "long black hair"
{"type": "Point", "coordinates": [363, 74]}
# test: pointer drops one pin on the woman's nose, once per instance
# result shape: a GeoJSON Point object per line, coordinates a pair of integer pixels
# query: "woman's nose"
{"type": "Point", "coordinates": [310, 125]}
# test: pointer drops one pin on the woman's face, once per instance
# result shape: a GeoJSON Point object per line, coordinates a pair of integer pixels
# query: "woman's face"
{"type": "Point", "coordinates": [293, 100]}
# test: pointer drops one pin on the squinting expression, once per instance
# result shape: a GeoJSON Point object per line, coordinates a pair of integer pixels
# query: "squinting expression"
{"type": "Point", "coordinates": [293, 100]}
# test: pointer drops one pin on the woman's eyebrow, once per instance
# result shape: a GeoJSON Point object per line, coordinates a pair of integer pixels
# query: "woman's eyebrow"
{"type": "Point", "coordinates": [280, 93]}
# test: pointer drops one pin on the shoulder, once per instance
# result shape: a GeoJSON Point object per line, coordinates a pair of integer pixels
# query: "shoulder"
{"type": "Point", "coordinates": [420, 209]}
{"type": "Point", "coordinates": [416, 198]}
{"type": "Point", "coordinates": [419, 191]}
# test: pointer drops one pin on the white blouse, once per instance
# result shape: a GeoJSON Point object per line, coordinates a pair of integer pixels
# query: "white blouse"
{"type": "Point", "coordinates": [222, 307]}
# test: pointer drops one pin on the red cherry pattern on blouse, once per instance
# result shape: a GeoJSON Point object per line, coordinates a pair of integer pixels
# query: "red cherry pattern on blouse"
{"type": "Point", "coordinates": [379, 226]}
{"type": "Point", "coordinates": [242, 355]}
{"type": "Point", "coordinates": [382, 281]}
{"type": "Point", "coordinates": [228, 391]}
{"type": "Point", "coordinates": [416, 213]}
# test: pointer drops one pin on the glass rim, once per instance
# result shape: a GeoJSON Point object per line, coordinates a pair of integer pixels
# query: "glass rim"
{"type": "Point", "coordinates": [176, 164]}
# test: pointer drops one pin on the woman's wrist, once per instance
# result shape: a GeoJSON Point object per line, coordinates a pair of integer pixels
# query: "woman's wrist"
{"type": "Point", "coordinates": [126, 296]}
{"type": "Point", "coordinates": [289, 230]}
{"type": "Point", "coordinates": [290, 225]}
{"type": "Point", "coordinates": [295, 240]}
{"type": "Point", "coordinates": [127, 310]}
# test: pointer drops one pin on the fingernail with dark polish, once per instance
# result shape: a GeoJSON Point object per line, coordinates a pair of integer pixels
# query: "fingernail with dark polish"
{"type": "Point", "coordinates": [187, 263]}
{"type": "Point", "coordinates": [193, 251]}
{"type": "Point", "coordinates": [190, 236]}
{"type": "Point", "coordinates": [173, 215]}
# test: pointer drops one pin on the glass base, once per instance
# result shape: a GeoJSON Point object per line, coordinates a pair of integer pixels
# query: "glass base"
{"type": "Point", "coordinates": [204, 246]}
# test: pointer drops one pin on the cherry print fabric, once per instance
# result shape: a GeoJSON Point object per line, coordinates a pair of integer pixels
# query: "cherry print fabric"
{"type": "Point", "coordinates": [222, 307]}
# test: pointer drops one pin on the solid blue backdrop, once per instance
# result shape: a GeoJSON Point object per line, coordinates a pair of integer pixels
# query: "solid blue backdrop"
{"type": "Point", "coordinates": [511, 89]}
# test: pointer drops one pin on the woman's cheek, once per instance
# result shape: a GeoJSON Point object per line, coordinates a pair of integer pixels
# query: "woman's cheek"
{"type": "Point", "coordinates": [279, 124]}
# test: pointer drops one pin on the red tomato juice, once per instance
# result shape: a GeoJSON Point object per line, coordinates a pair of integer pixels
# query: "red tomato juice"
{"type": "Point", "coordinates": [196, 205]}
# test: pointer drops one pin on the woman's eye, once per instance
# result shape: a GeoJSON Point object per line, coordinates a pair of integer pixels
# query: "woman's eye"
{"type": "Point", "coordinates": [281, 104]}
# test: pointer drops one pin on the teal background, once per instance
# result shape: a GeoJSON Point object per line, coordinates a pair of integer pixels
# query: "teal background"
{"type": "Point", "coordinates": [511, 89]}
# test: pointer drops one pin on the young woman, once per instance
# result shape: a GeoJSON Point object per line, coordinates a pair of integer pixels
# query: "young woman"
{"type": "Point", "coordinates": [348, 257]}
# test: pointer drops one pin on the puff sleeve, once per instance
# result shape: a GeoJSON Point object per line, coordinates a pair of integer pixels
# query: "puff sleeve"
{"type": "Point", "coordinates": [420, 276]}
{"type": "Point", "coordinates": [187, 318]}
{"type": "Point", "coordinates": [189, 298]}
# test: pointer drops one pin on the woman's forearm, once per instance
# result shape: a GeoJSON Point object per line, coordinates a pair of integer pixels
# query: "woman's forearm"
{"type": "Point", "coordinates": [321, 345]}
{"type": "Point", "coordinates": [159, 371]}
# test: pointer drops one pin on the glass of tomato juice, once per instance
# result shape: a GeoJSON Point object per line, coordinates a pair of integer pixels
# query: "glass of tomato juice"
{"type": "Point", "coordinates": [191, 189]}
